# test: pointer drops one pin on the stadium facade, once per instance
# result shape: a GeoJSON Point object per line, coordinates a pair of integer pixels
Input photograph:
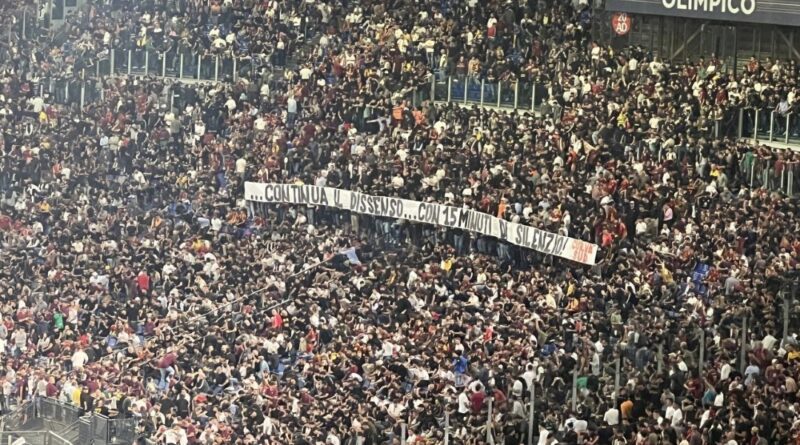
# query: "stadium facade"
{"type": "Point", "coordinates": [731, 30]}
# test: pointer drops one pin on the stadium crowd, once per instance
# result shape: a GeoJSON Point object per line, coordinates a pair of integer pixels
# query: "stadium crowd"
{"type": "Point", "coordinates": [138, 282]}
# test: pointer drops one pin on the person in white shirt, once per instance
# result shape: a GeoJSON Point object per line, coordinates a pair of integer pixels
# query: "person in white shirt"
{"type": "Point", "coordinates": [674, 414]}
{"type": "Point", "coordinates": [175, 436]}
{"type": "Point", "coordinates": [231, 105]}
{"type": "Point", "coordinates": [41, 386]}
{"type": "Point", "coordinates": [66, 391]}
{"type": "Point", "coordinates": [8, 392]}
{"type": "Point", "coordinates": [463, 402]}
{"type": "Point", "coordinates": [332, 439]}
{"type": "Point", "coordinates": [633, 64]}
{"type": "Point", "coordinates": [37, 104]}
{"type": "Point", "coordinates": [306, 72]}
{"type": "Point", "coordinates": [241, 166]}
{"type": "Point", "coordinates": [544, 435]}
{"type": "Point", "coordinates": [529, 375]}
{"type": "Point", "coordinates": [725, 372]}
{"type": "Point", "coordinates": [518, 409]}
{"type": "Point", "coordinates": [79, 359]}
{"type": "Point", "coordinates": [291, 109]}
{"type": "Point", "coordinates": [611, 417]}
{"type": "Point", "coordinates": [769, 342]}
{"type": "Point", "coordinates": [580, 426]}
{"type": "Point", "coordinates": [20, 339]}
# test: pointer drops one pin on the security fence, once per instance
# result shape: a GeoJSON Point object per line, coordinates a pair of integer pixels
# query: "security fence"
{"type": "Point", "coordinates": [51, 422]}
{"type": "Point", "coordinates": [52, 410]}
{"type": "Point", "coordinates": [773, 173]}
{"type": "Point", "coordinates": [763, 124]}
{"type": "Point", "coordinates": [181, 63]}
{"type": "Point", "coordinates": [34, 438]}
{"type": "Point", "coordinates": [105, 430]}
{"type": "Point", "coordinates": [468, 90]}
{"type": "Point", "coordinates": [20, 24]}
{"type": "Point", "coordinates": [88, 86]}
{"type": "Point", "coordinates": [769, 125]}
{"type": "Point", "coordinates": [30, 437]}
{"type": "Point", "coordinates": [18, 418]}
{"type": "Point", "coordinates": [84, 86]}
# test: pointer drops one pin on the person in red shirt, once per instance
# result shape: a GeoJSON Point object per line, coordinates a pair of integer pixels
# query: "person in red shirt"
{"type": "Point", "coordinates": [84, 340]}
{"type": "Point", "coordinates": [311, 340]}
{"type": "Point", "coordinates": [305, 397]}
{"type": "Point", "coordinates": [52, 389]}
{"type": "Point", "coordinates": [269, 391]}
{"type": "Point", "coordinates": [477, 399]}
{"type": "Point", "coordinates": [621, 230]}
{"type": "Point", "coordinates": [143, 282]}
{"type": "Point", "coordinates": [499, 397]}
{"type": "Point", "coordinates": [277, 320]}
{"type": "Point", "coordinates": [166, 366]}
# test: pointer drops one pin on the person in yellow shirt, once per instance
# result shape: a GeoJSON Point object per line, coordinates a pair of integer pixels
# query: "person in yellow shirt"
{"type": "Point", "coordinates": [574, 305]}
{"type": "Point", "coordinates": [447, 264]}
{"type": "Point", "coordinates": [198, 245]}
{"type": "Point", "coordinates": [76, 396]}
{"type": "Point", "coordinates": [622, 120]}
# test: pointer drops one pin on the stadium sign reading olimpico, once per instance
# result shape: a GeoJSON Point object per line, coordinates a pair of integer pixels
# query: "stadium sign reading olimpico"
{"type": "Point", "coordinates": [425, 212]}
{"type": "Point", "coordinates": [746, 7]}
{"type": "Point", "coordinates": [776, 12]}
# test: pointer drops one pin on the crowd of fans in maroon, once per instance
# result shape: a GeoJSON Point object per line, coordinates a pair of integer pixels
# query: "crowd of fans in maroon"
{"type": "Point", "coordinates": [138, 282]}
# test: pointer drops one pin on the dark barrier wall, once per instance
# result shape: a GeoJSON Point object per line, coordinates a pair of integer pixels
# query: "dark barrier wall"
{"type": "Point", "coordinates": [774, 12]}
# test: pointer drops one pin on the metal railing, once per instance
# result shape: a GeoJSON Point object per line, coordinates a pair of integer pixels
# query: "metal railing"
{"type": "Point", "coordinates": [106, 430]}
{"type": "Point", "coordinates": [65, 424]}
{"type": "Point", "coordinates": [94, 428]}
{"type": "Point", "coordinates": [180, 63]}
{"type": "Point", "coordinates": [20, 24]}
{"type": "Point", "coordinates": [82, 84]}
{"type": "Point", "coordinates": [54, 411]}
{"type": "Point", "coordinates": [18, 418]}
{"type": "Point", "coordinates": [87, 85]}
{"type": "Point", "coordinates": [30, 437]}
{"type": "Point", "coordinates": [55, 439]}
{"type": "Point", "coordinates": [758, 124]}
{"type": "Point", "coordinates": [773, 173]}
{"type": "Point", "coordinates": [33, 438]}
{"type": "Point", "coordinates": [468, 90]}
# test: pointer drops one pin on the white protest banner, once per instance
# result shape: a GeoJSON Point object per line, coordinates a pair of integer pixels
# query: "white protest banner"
{"type": "Point", "coordinates": [428, 213]}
